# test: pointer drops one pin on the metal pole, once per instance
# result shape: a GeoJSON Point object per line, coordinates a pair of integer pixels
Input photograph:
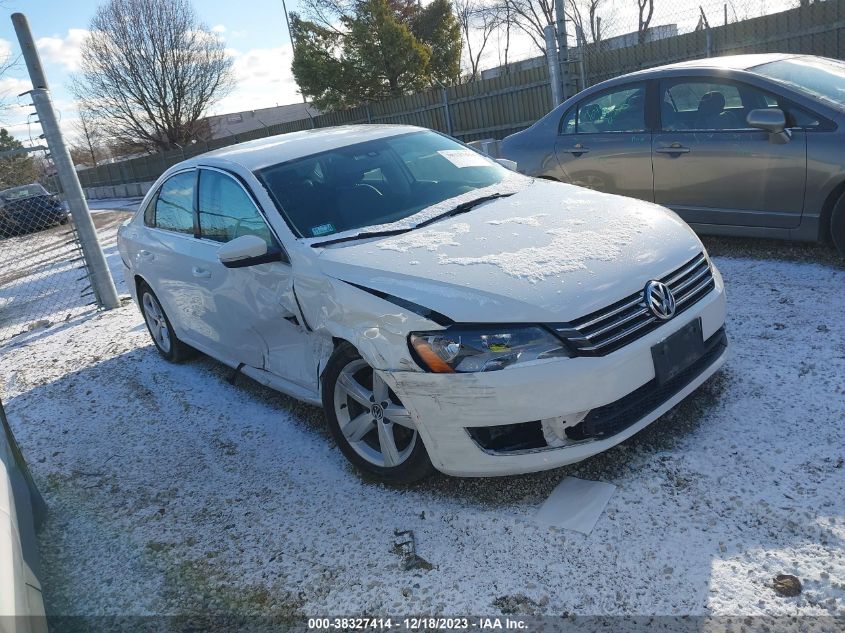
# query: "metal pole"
{"type": "Point", "coordinates": [293, 47]}
{"type": "Point", "coordinates": [582, 58]}
{"type": "Point", "coordinates": [562, 48]}
{"type": "Point", "coordinates": [552, 61]}
{"type": "Point", "coordinates": [444, 95]}
{"type": "Point", "coordinates": [101, 280]}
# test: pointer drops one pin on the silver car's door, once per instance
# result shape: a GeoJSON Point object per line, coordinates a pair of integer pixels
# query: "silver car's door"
{"type": "Point", "coordinates": [252, 309]}
{"type": "Point", "coordinates": [712, 168]}
{"type": "Point", "coordinates": [162, 255]}
{"type": "Point", "coordinates": [604, 144]}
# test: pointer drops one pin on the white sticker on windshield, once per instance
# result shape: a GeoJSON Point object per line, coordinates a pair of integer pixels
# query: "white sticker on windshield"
{"type": "Point", "coordinates": [464, 158]}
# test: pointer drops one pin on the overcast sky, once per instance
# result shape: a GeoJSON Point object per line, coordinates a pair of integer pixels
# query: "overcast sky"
{"type": "Point", "coordinates": [257, 41]}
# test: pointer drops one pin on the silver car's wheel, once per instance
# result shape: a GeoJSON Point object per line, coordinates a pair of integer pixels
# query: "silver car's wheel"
{"type": "Point", "coordinates": [157, 324]}
{"type": "Point", "coordinates": [372, 428]}
{"type": "Point", "coordinates": [161, 331]}
{"type": "Point", "coordinates": [372, 419]}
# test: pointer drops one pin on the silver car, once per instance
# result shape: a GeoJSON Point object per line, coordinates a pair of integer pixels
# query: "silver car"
{"type": "Point", "coordinates": [748, 145]}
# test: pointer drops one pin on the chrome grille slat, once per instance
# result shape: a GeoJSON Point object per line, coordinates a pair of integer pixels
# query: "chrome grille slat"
{"type": "Point", "coordinates": [616, 324]}
{"type": "Point", "coordinates": [621, 335]}
{"type": "Point", "coordinates": [679, 289]}
{"type": "Point", "coordinates": [607, 315]}
{"type": "Point", "coordinates": [683, 299]}
{"type": "Point", "coordinates": [673, 277]}
{"type": "Point", "coordinates": [604, 331]}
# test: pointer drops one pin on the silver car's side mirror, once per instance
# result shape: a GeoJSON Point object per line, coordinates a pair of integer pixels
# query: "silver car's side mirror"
{"type": "Point", "coordinates": [507, 164]}
{"type": "Point", "coordinates": [246, 250]}
{"type": "Point", "coordinates": [771, 120]}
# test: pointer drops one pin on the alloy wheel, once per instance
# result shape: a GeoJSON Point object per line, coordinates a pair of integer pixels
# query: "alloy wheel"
{"type": "Point", "coordinates": [157, 324]}
{"type": "Point", "coordinates": [371, 417]}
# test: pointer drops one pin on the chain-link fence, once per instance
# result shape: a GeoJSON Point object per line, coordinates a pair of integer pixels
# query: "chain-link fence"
{"type": "Point", "coordinates": [43, 278]}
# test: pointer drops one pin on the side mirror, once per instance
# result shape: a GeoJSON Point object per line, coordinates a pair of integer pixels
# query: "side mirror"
{"type": "Point", "coordinates": [507, 164]}
{"type": "Point", "coordinates": [246, 250]}
{"type": "Point", "coordinates": [771, 120]}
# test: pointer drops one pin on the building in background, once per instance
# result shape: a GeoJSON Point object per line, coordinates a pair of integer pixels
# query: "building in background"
{"type": "Point", "coordinates": [242, 122]}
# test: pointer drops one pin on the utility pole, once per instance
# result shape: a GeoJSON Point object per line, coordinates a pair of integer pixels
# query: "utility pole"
{"type": "Point", "coordinates": [293, 49]}
{"type": "Point", "coordinates": [554, 65]}
{"type": "Point", "coordinates": [101, 279]}
{"type": "Point", "coordinates": [562, 48]}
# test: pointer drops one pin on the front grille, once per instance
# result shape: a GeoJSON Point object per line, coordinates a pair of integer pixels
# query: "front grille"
{"type": "Point", "coordinates": [607, 330]}
{"type": "Point", "coordinates": [617, 416]}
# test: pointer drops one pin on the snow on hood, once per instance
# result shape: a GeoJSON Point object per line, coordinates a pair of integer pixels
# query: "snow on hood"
{"type": "Point", "coordinates": [550, 252]}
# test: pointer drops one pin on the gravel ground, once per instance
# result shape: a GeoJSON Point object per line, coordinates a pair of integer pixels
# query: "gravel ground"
{"type": "Point", "coordinates": [173, 492]}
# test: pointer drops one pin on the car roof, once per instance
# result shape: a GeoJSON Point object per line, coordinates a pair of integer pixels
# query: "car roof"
{"type": "Point", "coordinates": [284, 147]}
{"type": "Point", "coordinates": [726, 62]}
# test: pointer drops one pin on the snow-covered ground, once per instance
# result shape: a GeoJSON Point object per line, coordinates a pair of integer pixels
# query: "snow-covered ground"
{"type": "Point", "coordinates": [172, 491]}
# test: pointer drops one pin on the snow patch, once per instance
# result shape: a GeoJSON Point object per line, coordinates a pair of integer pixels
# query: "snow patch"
{"type": "Point", "coordinates": [569, 250]}
{"type": "Point", "coordinates": [430, 239]}
{"type": "Point", "coordinates": [531, 220]}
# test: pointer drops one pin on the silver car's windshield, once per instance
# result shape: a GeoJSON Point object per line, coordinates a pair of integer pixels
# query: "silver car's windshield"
{"type": "Point", "coordinates": [819, 76]}
{"type": "Point", "coordinates": [375, 182]}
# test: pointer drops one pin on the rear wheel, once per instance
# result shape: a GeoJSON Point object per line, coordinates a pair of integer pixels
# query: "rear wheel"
{"type": "Point", "coordinates": [158, 325]}
{"type": "Point", "coordinates": [837, 226]}
{"type": "Point", "coordinates": [369, 422]}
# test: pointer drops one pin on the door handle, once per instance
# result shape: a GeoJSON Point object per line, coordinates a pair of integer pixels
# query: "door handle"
{"type": "Point", "coordinates": [201, 273]}
{"type": "Point", "coordinates": [146, 255]}
{"type": "Point", "coordinates": [579, 149]}
{"type": "Point", "coordinates": [674, 148]}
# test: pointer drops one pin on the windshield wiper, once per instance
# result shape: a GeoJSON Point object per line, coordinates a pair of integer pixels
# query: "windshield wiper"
{"type": "Point", "coordinates": [462, 208]}
{"type": "Point", "coordinates": [361, 236]}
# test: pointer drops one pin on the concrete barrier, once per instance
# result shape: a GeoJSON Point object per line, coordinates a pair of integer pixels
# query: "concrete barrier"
{"type": "Point", "coordinates": [120, 191]}
{"type": "Point", "coordinates": [21, 510]}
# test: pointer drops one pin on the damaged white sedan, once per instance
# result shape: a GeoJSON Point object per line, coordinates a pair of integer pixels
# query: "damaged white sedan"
{"type": "Point", "coordinates": [444, 311]}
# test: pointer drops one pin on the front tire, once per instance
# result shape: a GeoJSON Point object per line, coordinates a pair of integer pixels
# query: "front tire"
{"type": "Point", "coordinates": [369, 423]}
{"type": "Point", "coordinates": [158, 325]}
{"type": "Point", "coordinates": [837, 226]}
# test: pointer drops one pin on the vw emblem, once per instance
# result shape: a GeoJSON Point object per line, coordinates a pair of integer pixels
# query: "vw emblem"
{"type": "Point", "coordinates": [660, 300]}
{"type": "Point", "coordinates": [377, 412]}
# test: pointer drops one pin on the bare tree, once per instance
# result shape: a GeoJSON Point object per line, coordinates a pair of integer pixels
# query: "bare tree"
{"type": "Point", "coordinates": [646, 12]}
{"type": "Point", "coordinates": [531, 17]}
{"type": "Point", "coordinates": [584, 14]}
{"type": "Point", "coordinates": [478, 22]}
{"type": "Point", "coordinates": [89, 145]}
{"type": "Point", "coordinates": [150, 70]}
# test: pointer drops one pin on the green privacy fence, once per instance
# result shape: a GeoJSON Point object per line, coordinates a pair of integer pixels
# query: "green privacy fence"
{"type": "Point", "coordinates": [496, 107]}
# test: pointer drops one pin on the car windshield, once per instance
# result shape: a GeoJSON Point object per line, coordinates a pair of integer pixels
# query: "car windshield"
{"type": "Point", "coordinates": [819, 76]}
{"type": "Point", "coordinates": [375, 182]}
{"type": "Point", "coordinates": [25, 191]}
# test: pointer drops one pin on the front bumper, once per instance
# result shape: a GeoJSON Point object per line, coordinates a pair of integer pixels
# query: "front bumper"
{"type": "Point", "coordinates": [446, 405]}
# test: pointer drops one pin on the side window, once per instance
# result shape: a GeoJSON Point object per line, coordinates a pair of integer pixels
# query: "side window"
{"type": "Point", "coordinates": [621, 110]}
{"type": "Point", "coordinates": [226, 211]}
{"type": "Point", "coordinates": [569, 121]}
{"type": "Point", "coordinates": [174, 204]}
{"type": "Point", "coordinates": [708, 105]}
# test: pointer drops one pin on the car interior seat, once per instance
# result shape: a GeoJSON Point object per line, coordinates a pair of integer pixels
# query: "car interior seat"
{"type": "Point", "coordinates": [712, 115]}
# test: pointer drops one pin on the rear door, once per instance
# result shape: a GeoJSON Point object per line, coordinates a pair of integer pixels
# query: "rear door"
{"type": "Point", "coordinates": [604, 143]}
{"type": "Point", "coordinates": [251, 310]}
{"type": "Point", "coordinates": [162, 256]}
{"type": "Point", "coordinates": [712, 168]}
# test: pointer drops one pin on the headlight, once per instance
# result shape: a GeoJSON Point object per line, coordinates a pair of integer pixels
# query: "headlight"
{"type": "Point", "coordinates": [484, 348]}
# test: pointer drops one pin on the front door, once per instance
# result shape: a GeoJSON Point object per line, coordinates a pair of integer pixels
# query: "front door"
{"type": "Point", "coordinates": [603, 143]}
{"type": "Point", "coordinates": [252, 309]}
{"type": "Point", "coordinates": [711, 168]}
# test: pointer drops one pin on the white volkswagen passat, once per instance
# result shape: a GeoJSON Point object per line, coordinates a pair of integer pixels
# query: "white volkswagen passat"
{"type": "Point", "coordinates": [443, 310]}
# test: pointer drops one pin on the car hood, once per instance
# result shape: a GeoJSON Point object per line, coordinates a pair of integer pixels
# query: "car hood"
{"type": "Point", "coordinates": [551, 252]}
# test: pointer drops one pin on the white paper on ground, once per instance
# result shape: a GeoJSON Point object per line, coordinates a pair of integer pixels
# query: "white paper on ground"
{"type": "Point", "coordinates": [575, 504]}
